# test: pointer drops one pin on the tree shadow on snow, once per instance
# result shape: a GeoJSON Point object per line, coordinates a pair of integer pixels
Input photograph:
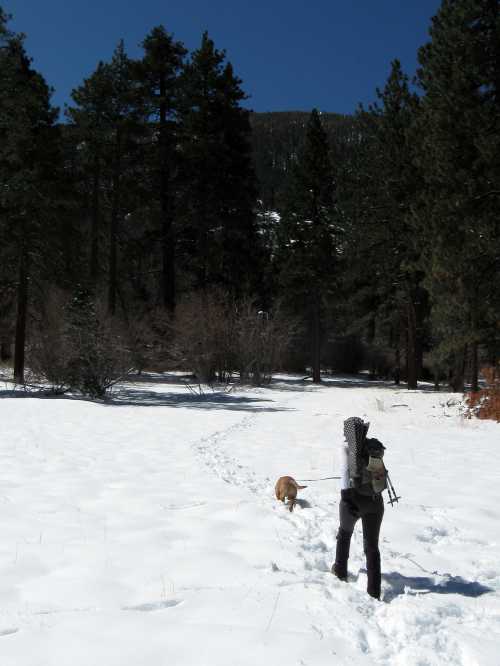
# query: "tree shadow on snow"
{"type": "Point", "coordinates": [415, 585]}
{"type": "Point", "coordinates": [128, 396]}
{"type": "Point", "coordinates": [10, 393]}
{"type": "Point", "coordinates": [282, 383]}
{"type": "Point", "coordinates": [160, 377]}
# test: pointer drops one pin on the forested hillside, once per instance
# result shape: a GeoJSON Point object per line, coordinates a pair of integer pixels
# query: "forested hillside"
{"type": "Point", "coordinates": [278, 139]}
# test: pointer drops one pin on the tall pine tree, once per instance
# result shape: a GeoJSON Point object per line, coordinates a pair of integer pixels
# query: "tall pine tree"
{"type": "Point", "coordinates": [388, 244]}
{"type": "Point", "coordinates": [460, 132]}
{"type": "Point", "coordinates": [159, 73]}
{"type": "Point", "coordinates": [219, 192]}
{"type": "Point", "coordinates": [90, 131]}
{"type": "Point", "coordinates": [308, 236]}
{"type": "Point", "coordinates": [109, 118]}
{"type": "Point", "coordinates": [29, 165]}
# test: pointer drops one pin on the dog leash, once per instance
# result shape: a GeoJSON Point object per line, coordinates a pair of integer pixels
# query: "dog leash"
{"type": "Point", "coordinates": [393, 497]}
{"type": "Point", "coordinates": [325, 478]}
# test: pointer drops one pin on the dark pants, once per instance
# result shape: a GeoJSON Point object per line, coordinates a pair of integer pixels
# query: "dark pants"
{"type": "Point", "coordinates": [352, 506]}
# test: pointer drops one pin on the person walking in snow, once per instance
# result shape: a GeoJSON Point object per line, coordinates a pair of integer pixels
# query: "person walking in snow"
{"type": "Point", "coordinates": [362, 479]}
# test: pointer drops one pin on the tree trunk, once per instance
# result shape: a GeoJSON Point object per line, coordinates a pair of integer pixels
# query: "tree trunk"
{"type": "Point", "coordinates": [419, 327]}
{"type": "Point", "coordinates": [316, 345]}
{"type": "Point", "coordinates": [370, 330]}
{"type": "Point", "coordinates": [397, 368]}
{"type": "Point", "coordinates": [5, 354]}
{"type": "Point", "coordinates": [112, 262]}
{"type": "Point", "coordinates": [436, 379]}
{"type": "Point", "coordinates": [474, 368]}
{"type": "Point", "coordinates": [457, 380]}
{"type": "Point", "coordinates": [202, 244]}
{"type": "Point", "coordinates": [113, 229]}
{"type": "Point", "coordinates": [395, 343]}
{"type": "Point", "coordinates": [494, 9]}
{"type": "Point", "coordinates": [201, 219]}
{"type": "Point", "coordinates": [22, 309]}
{"type": "Point", "coordinates": [168, 286]}
{"type": "Point", "coordinates": [168, 265]}
{"type": "Point", "coordinates": [411, 357]}
{"type": "Point", "coordinates": [94, 246]}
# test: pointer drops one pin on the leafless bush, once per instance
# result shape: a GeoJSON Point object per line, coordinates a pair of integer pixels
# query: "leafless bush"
{"type": "Point", "coordinates": [263, 338]}
{"type": "Point", "coordinates": [48, 348]}
{"type": "Point", "coordinates": [217, 335]}
{"type": "Point", "coordinates": [148, 337]}
{"type": "Point", "coordinates": [379, 362]}
{"type": "Point", "coordinates": [205, 336]}
{"type": "Point", "coordinates": [77, 346]}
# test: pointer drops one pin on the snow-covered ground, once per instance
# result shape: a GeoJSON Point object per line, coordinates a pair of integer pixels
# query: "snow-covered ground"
{"type": "Point", "coordinates": [146, 533]}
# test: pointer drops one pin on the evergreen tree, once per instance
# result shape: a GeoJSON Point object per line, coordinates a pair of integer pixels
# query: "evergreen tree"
{"type": "Point", "coordinates": [308, 234]}
{"type": "Point", "coordinates": [364, 248]}
{"type": "Point", "coordinates": [109, 118]}
{"type": "Point", "coordinates": [159, 73]}
{"type": "Point", "coordinates": [7, 292]}
{"type": "Point", "coordinates": [219, 192]}
{"type": "Point", "coordinates": [460, 130]}
{"type": "Point", "coordinates": [29, 164]}
{"type": "Point", "coordinates": [390, 239]}
{"type": "Point", "coordinates": [90, 133]}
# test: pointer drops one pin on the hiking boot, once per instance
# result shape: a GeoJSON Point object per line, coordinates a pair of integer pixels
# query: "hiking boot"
{"type": "Point", "coordinates": [339, 572]}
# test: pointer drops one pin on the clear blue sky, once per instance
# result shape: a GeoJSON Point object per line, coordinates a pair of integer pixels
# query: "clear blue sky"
{"type": "Point", "coordinates": [291, 55]}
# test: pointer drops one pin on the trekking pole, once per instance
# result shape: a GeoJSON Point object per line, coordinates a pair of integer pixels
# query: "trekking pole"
{"type": "Point", "coordinates": [390, 500]}
{"type": "Point", "coordinates": [393, 496]}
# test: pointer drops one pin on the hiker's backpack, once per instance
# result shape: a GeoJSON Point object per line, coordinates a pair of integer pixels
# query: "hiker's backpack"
{"type": "Point", "coordinates": [367, 472]}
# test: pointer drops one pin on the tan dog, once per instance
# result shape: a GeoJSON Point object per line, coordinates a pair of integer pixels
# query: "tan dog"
{"type": "Point", "coordinates": [287, 487]}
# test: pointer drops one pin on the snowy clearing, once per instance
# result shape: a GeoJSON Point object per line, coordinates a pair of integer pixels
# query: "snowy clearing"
{"type": "Point", "coordinates": [146, 531]}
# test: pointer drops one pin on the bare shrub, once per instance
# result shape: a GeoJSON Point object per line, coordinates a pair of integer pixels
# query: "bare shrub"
{"type": "Point", "coordinates": [205, 336]}
{"type": "Point", "coordinates": [148, 336]}
{"type": "Point", "coordinates": [378, 361]}
{"type": "Point", "coordinates": [78, 346]}
{"type": "Point", "coordinates": [217, 336]}
{"type": "Point", "coordinates": [263, 339]}
{"type": "Point", "coordinates": [48, 348]}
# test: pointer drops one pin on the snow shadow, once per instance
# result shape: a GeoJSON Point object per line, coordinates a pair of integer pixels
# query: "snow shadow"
{"type": "Point", "coordinates": [413, 585]}
{"type": "Point", "coordinates": [154, 606]}
{"type": "Point", "coordinates": [304, 504]}
{"type": "Point", "coordinates": [176, 378]}
{"type": "Point", "coordinates": [18, 391]}
{"type": "Point", "coordinates": [128, 396]}
{"type": "Point", "coordinates": [9, 393]}
{"type": "Point", "coordinates": [348, 381]}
